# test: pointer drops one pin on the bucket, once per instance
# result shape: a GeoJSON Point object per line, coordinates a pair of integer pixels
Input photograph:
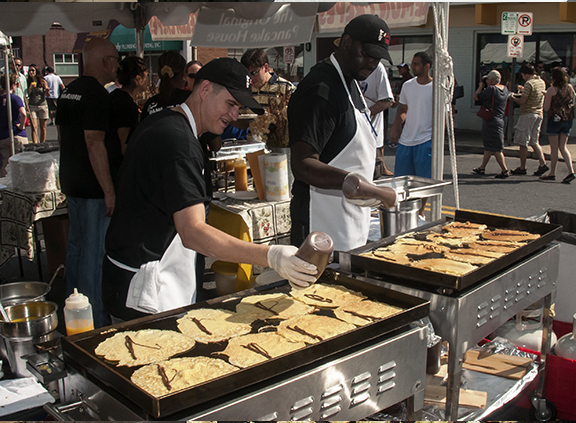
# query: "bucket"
{"type": "Point", "coordinates": [401, 218]}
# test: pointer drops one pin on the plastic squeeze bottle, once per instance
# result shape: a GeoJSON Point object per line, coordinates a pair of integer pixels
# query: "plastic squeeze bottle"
{"type": "Point", "coordinates": [78, 313]}
{"type": "Point", "coordinates": [240, 174]}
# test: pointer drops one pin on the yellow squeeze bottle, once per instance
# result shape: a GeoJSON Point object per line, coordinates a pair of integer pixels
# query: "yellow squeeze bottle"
{"type": "Point", "coordinates": [78, 313]}
{"type": "Point", "coordinates": [240, 175]}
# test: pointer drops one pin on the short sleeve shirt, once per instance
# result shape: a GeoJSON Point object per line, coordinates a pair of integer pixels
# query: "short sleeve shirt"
{"type": "Point", "coordinates": [153, 105]}
{"type": "Point", "coordinates": [16, 104]}
{"type": "Point", "coordinates": [375, 88]}
{"type": "Point", "coordinates": [418, 126]}
{"type": "Point", "coordinates": [83, 106]}
{"type": "Point", "coordinates": [534, 96]}
{"type": "Point", "coordinates": [162, 173]}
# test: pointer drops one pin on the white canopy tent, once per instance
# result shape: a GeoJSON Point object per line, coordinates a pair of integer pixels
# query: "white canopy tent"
{"type": "Point", "coordinates": [498, 53]}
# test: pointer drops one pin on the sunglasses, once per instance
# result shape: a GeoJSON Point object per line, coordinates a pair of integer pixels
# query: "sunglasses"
{"type": "Point", "coordinates": [192, 75]}
{"type": "Point", "coordinates": [255, 72]}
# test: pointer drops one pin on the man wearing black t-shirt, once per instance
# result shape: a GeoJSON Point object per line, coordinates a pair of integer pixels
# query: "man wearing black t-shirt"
{"type": "Point", "coordinates": [331, 136]}
{"type": "Point", "coordinates": [159, 220]}
{"type": "Point", "coordinates": [85, 176]}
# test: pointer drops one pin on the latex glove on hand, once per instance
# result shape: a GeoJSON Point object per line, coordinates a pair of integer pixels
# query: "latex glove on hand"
{"type": "Point", "coordinates": [363, 193]}
{"type": "Point", "coordinates": [299, 273]}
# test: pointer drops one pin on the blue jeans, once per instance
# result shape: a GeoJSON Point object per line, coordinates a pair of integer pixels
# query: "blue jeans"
{"type": "Point", "coordinates": [88, 225]}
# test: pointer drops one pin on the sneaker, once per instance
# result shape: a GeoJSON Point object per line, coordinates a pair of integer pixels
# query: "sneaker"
{"type": "Point", "coordinates": [548, 177]}
{"type": "Point", "coordinates": [519, 171]}
{"type": "Point", "coordinates": [421, 220]}
{"type": "Point", "coordinates": [541, 170]}
{"type": "Point", "coordinates": [568, 179]}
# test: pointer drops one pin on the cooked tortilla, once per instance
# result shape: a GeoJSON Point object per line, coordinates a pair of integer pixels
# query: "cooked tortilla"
{"type": "Point", "coordinates": [464, 225]}
{"type": "Point", "coordinates": [364, 312]}
{"type": "Point", "coordinates": [383, 254]}
{"type": "Point", "coordinates": [213, 325]}
{"type": "Point", "coordinates": [477, 252]}
{"type": "Point", "coordinates": [179, 374]}
{"type": "Point", "coordinates": [453, 240]}
{"type": "Point", "coordinates": [135, 348]}
{"type": "Point", "coordinates": [254, 348]}
{"type": "Point", "coordinates": [312, 328]}
{"type": "Point", "coordinates": [416, 247]}
{"type": "Point", "coordinates": [273, 306]}
{"type": "Point", "coordinates": [442, 265]}
{"type": "Point", "coordinates": [496, 246]}
{"type": "Point", "coordinates": [509, 235]}
{"type": "Point", "coordinates": [468, 258]}
{"type": "Point", "coordinates": [330, 296]}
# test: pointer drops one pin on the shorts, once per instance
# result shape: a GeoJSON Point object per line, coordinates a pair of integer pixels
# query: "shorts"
{"type": "Point", "coordinates": [39, 112]}
{"type": "Point", "coordinates": [52, 104]}
{"type": "Point", "coordinates": [557, 128]}
{"type": "Point", "coordinates": [414, 160]}
{"type": "Point", "coordinates": [528, 129]}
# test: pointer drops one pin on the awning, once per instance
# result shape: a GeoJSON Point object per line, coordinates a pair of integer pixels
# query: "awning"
{"type": "Point", "coordinates": [125, 40]}
{"type": "Point", "coordinates": [498, 53]}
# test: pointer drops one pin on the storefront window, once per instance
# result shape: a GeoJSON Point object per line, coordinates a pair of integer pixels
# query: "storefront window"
{"type": "Point", "coordinates": [66, 64]}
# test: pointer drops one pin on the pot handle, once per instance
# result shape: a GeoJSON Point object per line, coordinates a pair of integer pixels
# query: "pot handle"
{"type": "Point", "coordinates": [56, 273]}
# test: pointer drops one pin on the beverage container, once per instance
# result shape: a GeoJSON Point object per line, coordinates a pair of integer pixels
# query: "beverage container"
{"type": "Point", "coordinates": [78, 313]}
{"type": "Point", "coordinates": [240, 175]}
{"type": "Point", "coordinates": [316, 249]}
{"type": "Point", "coordinates": [566, 346]}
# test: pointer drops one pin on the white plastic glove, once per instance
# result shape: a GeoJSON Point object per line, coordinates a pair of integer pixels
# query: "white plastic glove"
{"type": "Point", "coordinates": [299, 273]}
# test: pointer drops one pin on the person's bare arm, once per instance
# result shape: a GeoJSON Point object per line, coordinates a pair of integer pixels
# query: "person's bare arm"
{"type": "Point", "coordinates": [22, 112]}
{"type": "Point", "coordinates": [551, 92]}
{"type": "Point", "coordinates": [380, 106]}
{"type": "Point", "coordinates": [396, 129]}
{"type": "Point", "coordinates": [307, 167]}
{"type": "Point", "coordinates": [99, 161]}
{"type": "Point", "coordinates": [197, 235]}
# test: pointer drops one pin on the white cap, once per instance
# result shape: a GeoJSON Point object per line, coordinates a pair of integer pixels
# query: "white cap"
{"type": "Point", "coordinates": [76, 301]}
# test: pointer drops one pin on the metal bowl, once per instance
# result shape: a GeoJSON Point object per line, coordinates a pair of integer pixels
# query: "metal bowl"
{"type": "Point", "coordinates": [30, 319]}
{"type": "Point", "coordinates": [23, 292]}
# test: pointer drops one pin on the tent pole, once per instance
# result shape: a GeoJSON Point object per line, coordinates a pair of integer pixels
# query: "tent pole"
{"type": "Point", "coordinates": [8, 99]}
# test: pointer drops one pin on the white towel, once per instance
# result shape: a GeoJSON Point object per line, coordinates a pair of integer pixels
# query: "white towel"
{"type": "Point", "coordinates": [22, 394]}
{"type": "Point", "coordinates": [165, 284]}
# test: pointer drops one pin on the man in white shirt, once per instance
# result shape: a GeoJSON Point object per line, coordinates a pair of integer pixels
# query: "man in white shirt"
{"type": "Point", "coordinates": [379, 97]}
{"type": "Point", "coordinates": [414, 153]}
{"type": "Point", "coordinates": [56, 86]}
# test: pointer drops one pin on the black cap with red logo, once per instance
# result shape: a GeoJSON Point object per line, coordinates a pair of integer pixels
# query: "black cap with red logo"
{"type": "Point", "coordinates": [373, 33]}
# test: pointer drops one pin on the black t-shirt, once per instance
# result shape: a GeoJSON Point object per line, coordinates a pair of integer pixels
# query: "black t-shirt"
{"type": "Point", "coordinates": [320, 114]}
{"type": "Point", "coordinates": [83, 105]}
{"type": "Point", "coordinates": [153, 105]}
{"type": "Point", "coordinates": [124, 113]}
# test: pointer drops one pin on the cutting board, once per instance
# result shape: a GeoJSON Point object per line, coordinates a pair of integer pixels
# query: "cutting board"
{"type": "Point", "coordinates": [496, 364]}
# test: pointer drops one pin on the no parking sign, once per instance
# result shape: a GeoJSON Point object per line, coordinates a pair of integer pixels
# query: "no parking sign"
{"type": "Point", "coordinates": [515, 45]}
{"type": "Point", "coordinates": [289, 55]}
{"type": "Point", "coordinates": [525, 22]}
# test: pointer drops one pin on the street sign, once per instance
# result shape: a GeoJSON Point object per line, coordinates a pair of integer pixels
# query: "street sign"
{"type": "Point", "coordinates": [289, 55]}
{"type": "Point", "coordinates": [515, 45]}
{"type": "Point", "coordinates": [509, 23]}
{"type": "Point", "coordinates": [525, 20]}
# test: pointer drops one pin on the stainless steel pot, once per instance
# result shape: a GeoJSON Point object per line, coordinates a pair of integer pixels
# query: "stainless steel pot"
{"type": "Point", "coordinates": [25, 292]}
{"type": "Point", "coordinates": [33, 319]}
{"type": "Point", "coordinates": [399, 219]}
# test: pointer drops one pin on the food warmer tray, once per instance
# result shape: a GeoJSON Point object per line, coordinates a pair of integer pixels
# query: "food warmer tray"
{"type": "Point", "coordinates": [425, 278]}
{"type": "Point", "coordinates": [413, 187]}
{"type": "Point", "coordinates": [79, 349]}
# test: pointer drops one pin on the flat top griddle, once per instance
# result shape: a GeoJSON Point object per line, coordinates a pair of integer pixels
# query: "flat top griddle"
{"type": "Point", "coordinates": [80, 348]}
{"type": "Point", "coordinates": [421, 277]}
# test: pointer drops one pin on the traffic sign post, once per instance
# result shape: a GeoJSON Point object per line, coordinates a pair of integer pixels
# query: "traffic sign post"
{"type": "Point", "coordinates": [509, 23]}
{"type": "Point", "coordinates": [525, 20]}
{"type": "Point", "coordinates": [515, 45]}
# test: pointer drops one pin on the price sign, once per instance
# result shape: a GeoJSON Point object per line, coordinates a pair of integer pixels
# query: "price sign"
{"type": "Point", "coordinates": [289, 55]}
{"type": "Point", "coordinates": [509, 23]}
{"type": "Point", "coordinates": [525, 20]}
{"type": "Point", "coordinates": [515, 45]}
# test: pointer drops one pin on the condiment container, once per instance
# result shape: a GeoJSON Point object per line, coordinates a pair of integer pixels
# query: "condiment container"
{"type": "Point", "coordinates": [240, 175]}
{"type": "Point", "coordinates": [566, 346]}
{"type": "Point", "coordinates": [354, 187]}
{"type": "Point", "coordinates": [316, 249]}
{"type": "Point", "coordinates": [78, 313]}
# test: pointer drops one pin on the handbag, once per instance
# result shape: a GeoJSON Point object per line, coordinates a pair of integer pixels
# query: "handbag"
{"type": "Point", "coordinates": [458, 92]}
{"type": "Point", "coordinates": [485, 112]}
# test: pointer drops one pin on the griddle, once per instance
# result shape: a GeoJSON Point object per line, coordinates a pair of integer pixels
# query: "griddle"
{"type": "Point", "coordinates": [421, 277]}
{"type": "Point", "coordinates": [79, 349]}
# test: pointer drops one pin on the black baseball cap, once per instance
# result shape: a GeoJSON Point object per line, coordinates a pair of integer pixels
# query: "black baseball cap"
{"type": "Point", "coordinates": [232, 75]}
{"type": "Point", "coordinates": [373, 33]}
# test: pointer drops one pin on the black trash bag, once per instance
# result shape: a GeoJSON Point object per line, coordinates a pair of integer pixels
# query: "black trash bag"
{"type": "Point", "coordinates": [567, 220]}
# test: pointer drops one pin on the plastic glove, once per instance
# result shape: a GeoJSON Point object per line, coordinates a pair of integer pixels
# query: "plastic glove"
{"type": "Point", "coordinates": [299, 273]}
{"type": "Point", "coordinates": [353, 186]}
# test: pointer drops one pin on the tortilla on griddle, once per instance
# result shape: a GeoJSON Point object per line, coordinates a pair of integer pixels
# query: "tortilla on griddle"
{"type": "Point", "coordinates": [509, 235]}
{"type": "Point", "coordinates": [415, 247]}
{"type": "Point", "coordinates": [442, 265]}
{"type": "Point", "coordinates": [254, 348]}
{"type": "Point", "coordinates": [330, 296]}
{"type": "Point", "coordinates": [135, 348]}
{"type": "Point", "coordinates": [385, 255]}
{"type": "Point", "coordinates": [464, 225]}
{"type": "Point", "coordinates": [312, 328]}
{"type": "Point", "coordinates": [470, 250]}
{"type": "Point", "coordinates": [180, 373]}
{"type": "Point", "coordinates": [453, 240]}
{"type": "Point", "coordinates": [273, 306]}
{"type": "Point", "coordinates": [364, 312]}
{"type": "Point", "coordinates": [213, 325]}
{"type": "Point", "coordinates": [468, 258]}
{"type": "Point", "coordinates": [495, 246]}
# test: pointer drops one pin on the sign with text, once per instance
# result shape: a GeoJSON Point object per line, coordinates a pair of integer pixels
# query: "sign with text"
{"type": "Point", "coordinates": [515, 46]}
{"type": "Point", "coordinates": [222, 28]}
{"type": "Point", "coordinates": [289, 54]}
{"type": "Point", "coordinates": [525, 20]}
{"type": "Point", "coordinates": [509, 22]}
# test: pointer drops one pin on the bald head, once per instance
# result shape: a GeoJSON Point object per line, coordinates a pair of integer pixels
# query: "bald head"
{"type": "Point", "coordinates": [100, 60]}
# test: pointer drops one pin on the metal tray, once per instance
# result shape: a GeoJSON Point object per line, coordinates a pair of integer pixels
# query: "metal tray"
{"type": "Point", "coordinates": [231, 150]}
{"type": "Point", "coordinates": [412, 187]}
{"type": "Point", "coordinates": [425, 278]}
{"type": "Point", "coordinates": [79, 349]}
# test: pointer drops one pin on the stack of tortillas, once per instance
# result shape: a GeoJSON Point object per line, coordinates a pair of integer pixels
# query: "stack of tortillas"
{"type": "Point", "coordinates": [135, 348]}
{"type": "Point", "coordinates": [212, 325]}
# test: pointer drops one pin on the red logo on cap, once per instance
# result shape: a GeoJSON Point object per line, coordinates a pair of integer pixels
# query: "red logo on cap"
{"type": "Point", "coordinates": [385, 36]}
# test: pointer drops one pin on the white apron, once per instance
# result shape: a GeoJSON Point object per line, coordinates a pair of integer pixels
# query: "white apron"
{"type": "Point", "coordinates": [167, 283]}
{"type": "Point", "coordinates": [347, 224]}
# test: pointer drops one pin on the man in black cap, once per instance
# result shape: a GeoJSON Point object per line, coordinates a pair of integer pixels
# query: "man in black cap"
{"type": "Point", "coordinates": [331, 136]}
{"type": "Point", "coordinates": [159, 219]}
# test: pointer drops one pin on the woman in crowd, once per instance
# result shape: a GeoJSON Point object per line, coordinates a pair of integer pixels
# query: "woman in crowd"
{"type": "Point", "coordinates": [494, 95]}
{"type": "Point", "coordinates": [38, 91]}
{"type": "Point", "coordinates": [559, 103]}
{"type": "Point", "coordinates": [172, 72]}
{"type": "Point", "coordinates": [18, 122]}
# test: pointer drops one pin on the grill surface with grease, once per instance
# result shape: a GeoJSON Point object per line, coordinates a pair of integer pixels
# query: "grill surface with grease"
{"type": "Point", "coordinates": [79, 349]}
{"type": "Point", "coordinates": [425, 278]}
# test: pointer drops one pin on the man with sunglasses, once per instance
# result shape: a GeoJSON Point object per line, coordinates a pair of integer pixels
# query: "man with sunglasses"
{"type": "Point", "coordinates": [192, 68]}
{"type": "Point", "coordinates": [21, 82]}
{"type": "Point", "coordinates": [82, 119]}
